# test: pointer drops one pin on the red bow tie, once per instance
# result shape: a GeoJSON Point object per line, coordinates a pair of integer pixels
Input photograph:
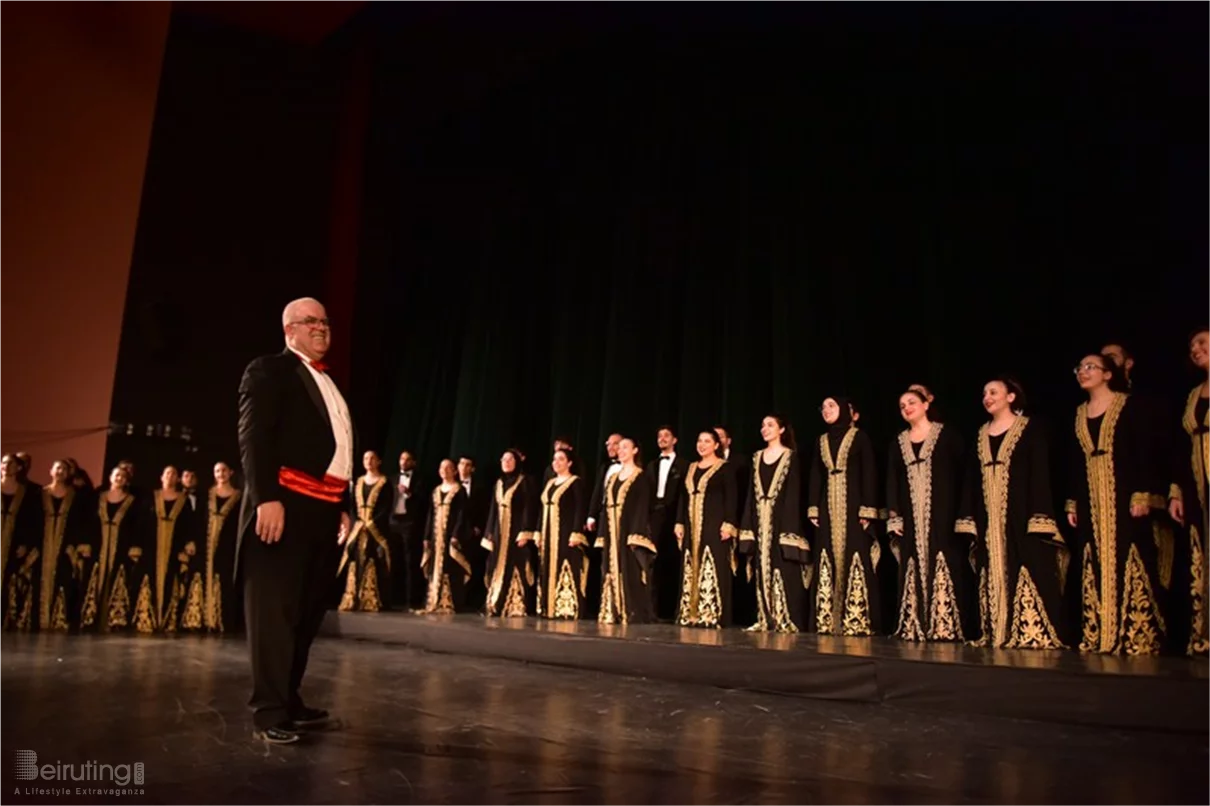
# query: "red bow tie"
{"type": "Point", "coordinates": [318, 365]}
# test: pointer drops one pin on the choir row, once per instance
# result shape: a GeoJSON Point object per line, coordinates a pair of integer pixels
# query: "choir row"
{"type": "Point", "coordinates": [969, 533]}
{"type": "Point", "coordinates": [117, 559]}
{"type": "Point", "coordinates": [965, 544]}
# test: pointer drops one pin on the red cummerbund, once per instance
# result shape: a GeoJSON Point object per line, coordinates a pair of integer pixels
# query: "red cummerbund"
{"type": "Point", "coordinates": [330, 489]}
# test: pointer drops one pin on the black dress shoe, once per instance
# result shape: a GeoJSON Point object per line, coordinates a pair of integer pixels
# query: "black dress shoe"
{"type": "Point", "coordinates": [281, 733]}
{"type": "Point", "coordinates": [310, 717]}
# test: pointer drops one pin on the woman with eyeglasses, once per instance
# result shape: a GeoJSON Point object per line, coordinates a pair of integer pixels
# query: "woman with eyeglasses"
{"type": "Point", "coordinates": [843, 505]}
{"type": "Point", "coordinates": [924, 483]}
{"type": "Point", "coordinates": [1115, 483]}
{"type": "Point", "coordinates": [1007, 511]}
{"type": "Point", "coordinates": [509, 539]}
{"type": "Point", "coordinates": [1187, 497]}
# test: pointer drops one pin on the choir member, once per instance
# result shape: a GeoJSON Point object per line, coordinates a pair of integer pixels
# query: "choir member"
{"type": "Point", "coordinates": [705, 535]}
{"type": "Point", "coordinates": [1114, 482]}
{"type": "Point", "coordinates": [44, 589]}
{"type": "Point", "coordinates": [478, 500]}
{"type": "Point", "coordinates": [628, 551]}
{"type": "Point", "coordinates": [596, 501]}
{"type": "Point", "coordinates": [771, 532]}
{"type": "Point", "coordinates": [667, 473]}
{"type": "Point", "coordinates": [1165, 435]}
{"type": "Point", "coordinates": [366, 564]}
{"type": "Point", "coordinates": [563, 572]}
{"type": "Point", "coordinates": [1008, 512]}
{"type": "Point", "coordinates": [407, 511]}
{"type": "Point", "coordinates": [1188, 493]}
{"type": "Point", "coordinates": [924, 478]}
{"type": "Point", "coordinates": [22, 531]}
{"type": "Point", "coordinates": [25, 465]}
{"type": "Point", "coordinates": [605, 472]}
{"type": "Point", "coordinates": [510, 530]}
{"type": "Point", "coordinates": [85, 490]}
{"type": "Point", "coordinates": [165, 563]}
{"type": "Point", "coordinates": [109, 597]}
{"type": "Point", "coordinates": [444, 561]}
{"type": "Point", "coordinates": [222, 605]}
{"type": "Point", "coordinates": [743, 591]}
{"type": "Point", "coordinates": [842, 507]}
{"type": "Point", "coordinates": [560, 444]}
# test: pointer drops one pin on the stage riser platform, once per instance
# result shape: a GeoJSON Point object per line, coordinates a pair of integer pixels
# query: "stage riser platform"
{"type": "Point", "coordinates": [1149, 693]}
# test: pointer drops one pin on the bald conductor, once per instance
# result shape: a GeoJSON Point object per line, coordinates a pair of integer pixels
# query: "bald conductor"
{"type": "Point", "coordinates": [296, 446]}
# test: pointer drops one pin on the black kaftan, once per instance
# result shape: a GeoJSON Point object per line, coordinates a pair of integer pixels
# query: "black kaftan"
{"type": "Point", "coordinates": [1019, 557]}
{"type": "Point", "coordinates": [771, 537]}
{"type": "Point", "coordinates": [843, 492]}
{"type": "Point", "coordinates": [924, 486]}
{"type": "Point", "coordinates": [705, 514]}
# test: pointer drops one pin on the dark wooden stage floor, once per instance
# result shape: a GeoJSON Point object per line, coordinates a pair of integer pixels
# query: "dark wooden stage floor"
{"type": "Point", "coordinates": [428, 727]}
{"type": "Point", "coordinates": [1167, 693]}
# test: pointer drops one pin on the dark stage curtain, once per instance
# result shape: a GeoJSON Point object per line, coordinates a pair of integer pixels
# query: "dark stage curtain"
{"type": "Point", "coordinates": [607, 231]}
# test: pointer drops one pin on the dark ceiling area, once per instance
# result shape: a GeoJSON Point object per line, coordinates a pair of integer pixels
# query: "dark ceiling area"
{"type": "Point", "coordinates": [300, 23]}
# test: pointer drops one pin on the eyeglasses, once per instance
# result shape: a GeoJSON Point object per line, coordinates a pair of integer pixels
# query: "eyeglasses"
{"type": "Point", "coordinates": [314, 322]}
{"type": "Point", "coordinates": [1087, 368]}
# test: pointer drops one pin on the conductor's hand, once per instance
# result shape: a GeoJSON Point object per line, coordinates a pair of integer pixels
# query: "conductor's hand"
{"type": "Point", "coordinates": [270, 521]}
{"type": "Point", "coordinates": [346, 524]}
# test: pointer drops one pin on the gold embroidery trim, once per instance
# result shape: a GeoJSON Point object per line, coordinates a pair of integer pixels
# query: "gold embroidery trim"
{"type": "Point", "coordinates": [504, 506]}
{"type": "Point", "coordinates": [615, 500]}
{"type": "Point", "coordinates": [995, 500]}
{"type": "Point", "coordinates": [838, 506]}
{"type": "Point", "coordinates": [548, 547]}
{"type": "Point", "coordinates": [1102, 482]}
{"type": "Point", "coordinates": [218, 518]}
{"type": "Point", "coordinates": [54, 525]}
{"type": "Point", "coordinates": [920, 489]}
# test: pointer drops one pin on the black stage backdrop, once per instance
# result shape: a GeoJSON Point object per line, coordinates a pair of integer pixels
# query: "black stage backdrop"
{"type": "Point", "coordinates": [233, 223]}
{"type": "Point", "coordinates": [581, 224]}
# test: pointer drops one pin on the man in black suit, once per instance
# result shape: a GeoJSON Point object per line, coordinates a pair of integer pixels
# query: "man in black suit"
{"type": "Point", "coordinates": [610, 466]}
{"type": "Point", "coordinates": [668, 479]}
{"type": "Point", "coordinates": [407, 513]}
{"type": "Point", "coordinates": [297, 446]}
{"type": "Point", "coordinates": [478, 502]}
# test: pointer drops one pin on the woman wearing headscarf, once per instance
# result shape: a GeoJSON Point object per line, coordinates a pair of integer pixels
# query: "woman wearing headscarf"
{"type": "Point", "coordinates": [843, 502]}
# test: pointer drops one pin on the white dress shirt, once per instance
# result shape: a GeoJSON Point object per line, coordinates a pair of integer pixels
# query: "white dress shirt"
{"type": "Point", "coordinates": [666, 461]}
{"type": "Point", "coordinates": [405, 483]}
{"type": "Point", "coordinates": [341, 465]}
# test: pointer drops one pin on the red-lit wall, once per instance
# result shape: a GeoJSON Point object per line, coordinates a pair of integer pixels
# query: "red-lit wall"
{"type": "Point", "coordinates": [79, 95]}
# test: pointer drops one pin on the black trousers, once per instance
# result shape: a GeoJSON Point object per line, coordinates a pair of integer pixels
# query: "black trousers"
{"type": "Point", "coordinates": [405, 543]}
{"type": "Point", "coordinates": [287, 590]}
{"type": "Point", "coordinates": [664, 579]}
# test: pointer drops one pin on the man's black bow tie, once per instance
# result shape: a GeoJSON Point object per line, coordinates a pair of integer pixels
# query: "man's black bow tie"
{"type": "Point", "coordinates": [665, 458]}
